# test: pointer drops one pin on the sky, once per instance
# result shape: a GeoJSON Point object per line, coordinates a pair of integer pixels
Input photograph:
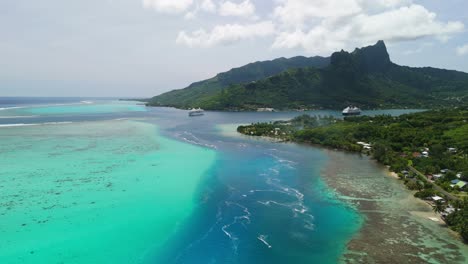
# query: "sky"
{"type": "Point", "coordinates": [141, 48]}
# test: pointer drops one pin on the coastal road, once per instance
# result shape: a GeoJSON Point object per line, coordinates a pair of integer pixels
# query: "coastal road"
{"type": "Point", "coordinates": [437, 187]}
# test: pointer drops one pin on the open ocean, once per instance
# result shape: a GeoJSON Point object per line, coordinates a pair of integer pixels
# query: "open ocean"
{"type": "Point", "coordinates": [103, 181]}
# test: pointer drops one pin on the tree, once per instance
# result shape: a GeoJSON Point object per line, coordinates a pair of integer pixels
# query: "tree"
{"type": "Point", "coordinates": [438, 207]}
{"type": "Point", "coordinates": [437, 151]}
{"type": "Point", "coordinates": [464, 231]}
{"type": "Point", "coordinates": [450, 176]}
{"type": "Point", "coordinates": [381, 152]}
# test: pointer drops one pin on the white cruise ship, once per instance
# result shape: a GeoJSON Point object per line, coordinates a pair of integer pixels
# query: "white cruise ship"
{"type": "Point", "coordinates": [351, 110]}
{"type": "Point", "coordinates": [196, 112]}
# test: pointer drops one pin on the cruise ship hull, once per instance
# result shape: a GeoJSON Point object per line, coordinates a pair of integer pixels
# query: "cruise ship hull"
{"type": "Point", "coordinates": [352, 114]}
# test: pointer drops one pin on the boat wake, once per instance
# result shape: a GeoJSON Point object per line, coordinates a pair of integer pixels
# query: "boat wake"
{"type": "Point", "coordinates": [240, 217]}
{"type": "Point", "coordinates": [283, 195]}
{"type": "Point", "coordinates": [11, 117]}
{"type": "Point", "coordinates": [264, 238]}
{"type": "Point", "coordinates": [192, 139]}
{"type": "Point", "coordinates": [243, 220]}
{"type": "Point", "coordinates": [33, 124]}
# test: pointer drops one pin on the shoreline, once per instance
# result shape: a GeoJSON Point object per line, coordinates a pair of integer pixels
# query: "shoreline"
{"type": "Point", "coordinates": [397, 227]}
{"type": "Point", "coordinates": [423, 215]}
{"type": "Point", "coordinates": [275, 110]}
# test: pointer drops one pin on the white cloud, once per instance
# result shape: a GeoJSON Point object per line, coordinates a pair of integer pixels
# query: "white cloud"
{"type": "Point", "coordinates": [317, 26]}
{"type": "Point", "coordinates": [374, 5]}
{"type": "Point", "coordinates": [201, 5]}
{"type": "Point", "coordinates": [168, 6]}
{"type": "Point", "coordinates": [318, 40]}
{"type": "Point", "coordinates": [405, 23]}
{"type": "Point", "coordinates": [190, 15]}
{"type": "Point", "coordinates": [243, 9]}
{"type": "Point", "coordinates": [359, 28]}
{"type": "Point", "coordinates": [208, 6]}
{"type": "Point", "coordinates": [462, 50]}
{"type": "Point", "coordinates": [295, 13]}
{"type": "Point", "coordinates": [226, 34]}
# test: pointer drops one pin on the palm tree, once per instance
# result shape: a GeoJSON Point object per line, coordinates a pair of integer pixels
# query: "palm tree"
{"type": "Point", "coordinates": [438, 207]}
{"type": "Point", "coordinates": [457, 204]}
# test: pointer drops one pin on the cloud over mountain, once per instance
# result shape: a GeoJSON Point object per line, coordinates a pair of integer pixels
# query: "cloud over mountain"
{"type": "Point", "coordinates": [225, 34]}
{"type": "Point", "coordinates": [316, 26]}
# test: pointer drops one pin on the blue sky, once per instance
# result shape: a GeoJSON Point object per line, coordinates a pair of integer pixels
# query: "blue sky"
{"type": "Point", "coordinates": [145, 47]}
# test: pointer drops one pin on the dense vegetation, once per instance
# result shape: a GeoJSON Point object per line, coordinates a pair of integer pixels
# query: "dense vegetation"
{"type": "Point", "coordinates": [201, 91]}
{"type": "Point", "coordinates": [398, 142]}
{"type": "Point", "coordinates": [365, 77]}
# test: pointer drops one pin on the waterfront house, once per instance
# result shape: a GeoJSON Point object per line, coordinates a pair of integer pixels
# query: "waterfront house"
{"type": "Point", "coordinates": [461, 184]}
{"type": "Point", "coordinates": [452, 150]}
{"type": "Point", "coordinates": [447, 211]}
{"type": "Point", "coordinates": [276, 131]}
{"type": "Point", "coordinates": [453, 183]}
{"type": "Point", "coordinates": [365, 145]}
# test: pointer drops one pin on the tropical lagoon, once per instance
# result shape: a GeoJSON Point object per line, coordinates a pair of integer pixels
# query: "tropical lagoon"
{"type": "Point", "coordinates": [104, 181]}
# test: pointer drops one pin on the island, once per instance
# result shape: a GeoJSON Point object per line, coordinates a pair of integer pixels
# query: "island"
{"type": "Point", "coordinates": [366, 78]}
{"type": "Point", "coordinates": [427, 150]}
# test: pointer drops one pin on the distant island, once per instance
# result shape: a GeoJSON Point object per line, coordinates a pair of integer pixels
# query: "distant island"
{"type": "Point", "coordinates": [365, 77]}
{"type": "Point", "coordinates": [428, 150]}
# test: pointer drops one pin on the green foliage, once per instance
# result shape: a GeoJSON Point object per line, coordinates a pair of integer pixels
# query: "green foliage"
{"type": "Point", "coordinates": [438, 207]}
{"type": "Point", "coordinates": [203, 93]}
{"type": "Point", "coordinates": [365, 77]}
{"type": "Point", "coordinates": [425, 194]}
{"type": "Point", "coordinates": [459, 219]}
{"type": "Point", "coordinates": [394, 140]}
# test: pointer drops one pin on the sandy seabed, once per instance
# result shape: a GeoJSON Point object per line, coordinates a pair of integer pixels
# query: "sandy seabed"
{"type": "Point", "coordinates": [397, 226]}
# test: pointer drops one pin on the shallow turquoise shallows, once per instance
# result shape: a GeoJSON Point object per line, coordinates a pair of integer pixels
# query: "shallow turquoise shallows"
{"type": "Point", "coordinates": [115, 182]}
{"type": "Point", "coordinates": [94, 192]}
{"type": "Point", "coordinates": [74, 109]}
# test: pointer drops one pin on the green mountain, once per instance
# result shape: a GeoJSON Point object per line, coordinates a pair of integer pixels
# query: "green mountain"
{"type": "Point", "coordinates": [365, 77]}
{"type": "Point", "coordinates": [201, 91]}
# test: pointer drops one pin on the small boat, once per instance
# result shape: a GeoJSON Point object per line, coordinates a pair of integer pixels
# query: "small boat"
{"type": "Point", "coordinates": [196, 112]}
{"type": "Point", "coordinates": [351, 110]}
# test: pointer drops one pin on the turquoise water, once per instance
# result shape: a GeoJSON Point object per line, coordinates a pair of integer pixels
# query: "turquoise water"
{"type": "Point", "coordinates": [79, 108]}
{"type": "Point", "coordinates": [104, 192]}
{"type": "Point", "coordinates": [118, 183]}
{"type": "Point", "coordinates": [83, 109]}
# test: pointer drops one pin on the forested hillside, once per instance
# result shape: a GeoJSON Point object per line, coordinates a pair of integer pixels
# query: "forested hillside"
{"type": "Point", "coordinates": [366, 78]}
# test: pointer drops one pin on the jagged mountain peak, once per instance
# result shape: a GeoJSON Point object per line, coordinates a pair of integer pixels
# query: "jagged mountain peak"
{"type": "Point", "coordinates": [374, 58]}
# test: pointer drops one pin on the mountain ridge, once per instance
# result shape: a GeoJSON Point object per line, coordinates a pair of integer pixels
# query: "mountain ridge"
{"type": "Point", "coordinates": [186, 97]}
{"type": "Point", "coordinates": [365, 77]}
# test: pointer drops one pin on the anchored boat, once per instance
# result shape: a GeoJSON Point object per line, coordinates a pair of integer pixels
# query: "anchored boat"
{"type": "Point", "coordinates": [351, 110]}
{"type": "Point", "coordinates": [196, 112]}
